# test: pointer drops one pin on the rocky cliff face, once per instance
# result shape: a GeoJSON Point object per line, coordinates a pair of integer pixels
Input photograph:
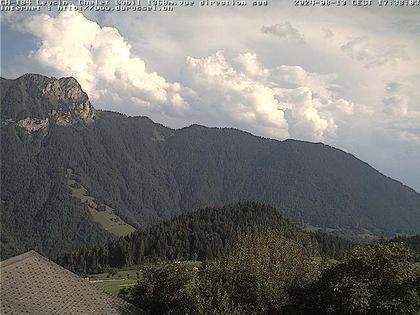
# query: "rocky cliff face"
{"type": "Point", "coordinates": [75, 103]}
{"type": "Point", "coordinates": [38, 101]}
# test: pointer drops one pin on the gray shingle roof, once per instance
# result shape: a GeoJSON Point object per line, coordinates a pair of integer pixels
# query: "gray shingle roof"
{"type": "Point", "coordinates": [32, 284]}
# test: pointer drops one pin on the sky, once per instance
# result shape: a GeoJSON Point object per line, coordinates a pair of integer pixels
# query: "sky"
{"type": "Point", "coordinates": [345, 76]}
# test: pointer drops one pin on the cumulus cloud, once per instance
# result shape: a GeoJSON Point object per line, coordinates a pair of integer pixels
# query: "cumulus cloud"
{"type": "Point", "coordinates": [249, 64]}
{"type": "Point", "coordinates": [278, 102]}
{"type": "Point", "coordinates": [283, 30]}
{"type": "Point", "coordinates": [305, 119]}
{"type": "Point", "coordinates": [401, 99]}
{"type": "Point", "coordinates": [371, 53]}
{"type": "Point", "coordinates": [101, 60]}
{"type": "Point", "coordinates": [402, 109]}
{"type": "Point", "coordinates": [232, 95]}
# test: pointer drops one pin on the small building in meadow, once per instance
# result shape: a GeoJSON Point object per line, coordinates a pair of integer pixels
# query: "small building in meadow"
{"type": "Point", "coordinates": [32, 284]}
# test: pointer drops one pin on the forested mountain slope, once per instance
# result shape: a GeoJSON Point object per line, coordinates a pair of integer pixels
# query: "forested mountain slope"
{"type": "Point", "coordinates": [204, 234]}
{"type": "Point", "coordinates": [146, 172]}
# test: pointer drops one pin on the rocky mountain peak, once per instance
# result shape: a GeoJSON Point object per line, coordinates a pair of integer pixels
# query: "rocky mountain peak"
{"type": "Point", "coordinates": [64, 89]}
{"type": "Point", "coordinates": [34, 101]}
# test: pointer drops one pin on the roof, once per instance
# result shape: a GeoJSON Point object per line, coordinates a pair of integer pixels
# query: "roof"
{"type": "Point", "coordinates": [32, 284]}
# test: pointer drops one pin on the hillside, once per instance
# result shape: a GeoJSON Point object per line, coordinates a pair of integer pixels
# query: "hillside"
{"type": "Point", "coordinates": [146, 172]}
{"type": "Point", "coordinates": [204, 234]}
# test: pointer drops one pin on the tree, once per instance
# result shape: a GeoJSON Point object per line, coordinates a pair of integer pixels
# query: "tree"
{"type": "Point", "coordinates": [213, 299]}
{"type": "Point", "coordinates": [255, 278]}
{"type": "Point", "coordinates": [260, 271]}
{"type": "Point", "coordinates": [165, 287]}
{"type": "Point", "coordinates": [375, 279]}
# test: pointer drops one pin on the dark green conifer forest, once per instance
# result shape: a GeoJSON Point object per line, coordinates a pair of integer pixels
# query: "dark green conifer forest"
{"type": "Point", "coordinates": [202, 235]}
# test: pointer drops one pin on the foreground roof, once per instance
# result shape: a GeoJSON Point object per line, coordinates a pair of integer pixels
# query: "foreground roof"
{"type": "Point", "coordinates": [32, 284]}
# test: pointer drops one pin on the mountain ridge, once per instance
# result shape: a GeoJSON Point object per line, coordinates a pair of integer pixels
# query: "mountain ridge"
{"type": "Point", "coordinates": [148, 172]}
{"type": "Point", "coordinates": [193, 125]}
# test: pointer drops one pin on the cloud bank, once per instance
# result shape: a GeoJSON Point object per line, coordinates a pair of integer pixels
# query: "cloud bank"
{"type": "Point", "coordinates": [279, 102]}
{"type": "Point", "coordinates": [350, 83]}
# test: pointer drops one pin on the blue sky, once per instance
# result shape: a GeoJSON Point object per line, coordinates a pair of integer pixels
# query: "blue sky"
{"type": "Point", "coordinates": [345, 76]}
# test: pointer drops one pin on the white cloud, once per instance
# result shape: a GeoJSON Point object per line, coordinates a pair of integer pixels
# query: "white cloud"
{"type": "Point", "coordinates": [101, 60]}
{"type": "Point", "coordinates": [305, 119]}
{"type": "Point", "coordinates": [233, 96]}
{"type": "Point", "coordinates": [249, 64]}
{"type": "Point", "coordinates": [279, 102]}
{"type": "Point", "coordinates": [402, 109]}
{"type": "Point", "coordinates": [283, 30]}
{"type": "Point", "coordinates": [371, 53]}
{"type": "Point", "coordinates": [401, 99]}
